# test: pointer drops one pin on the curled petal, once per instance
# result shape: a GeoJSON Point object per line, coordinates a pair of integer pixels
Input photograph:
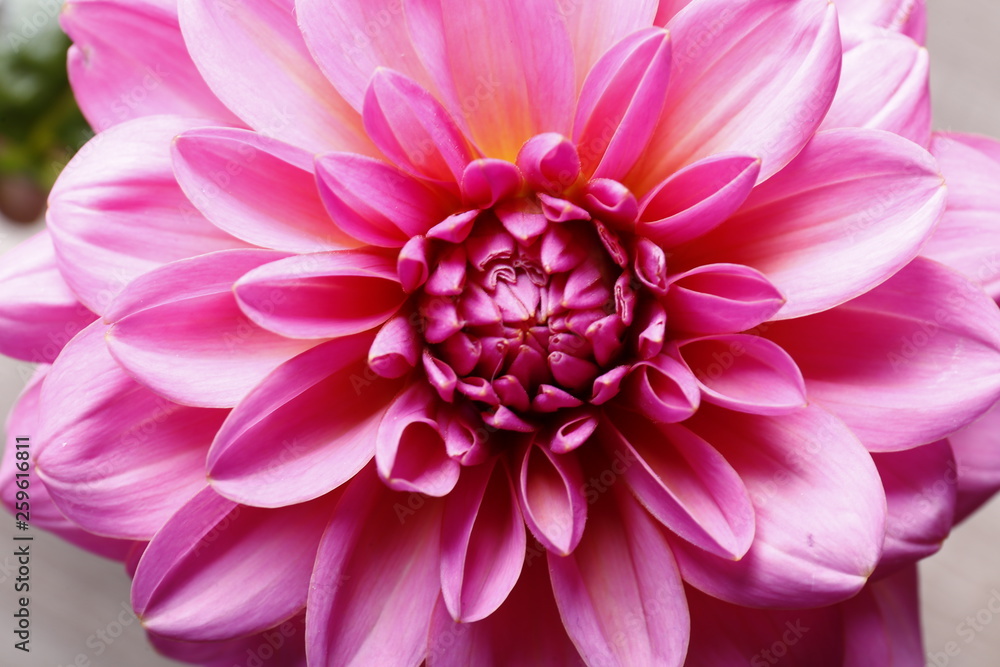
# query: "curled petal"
{"type": "Point", "coordinates": [409, 448]}
{"type": "Point", "coordinates": [551, 494]}
{"type": "Point", "coordinates": [620, 103]}
{"type": "Point", "coordinates": [745, 373]}
{"type": "Point", "coordinates": [721, 298]}
{"type": "Point", "coordinates": [482, 542]}
{"type": "Point", "coordinates": [376, 203]}
{"type": "Point", "coordinates": [697, 199]}
{"type": "Point", "coordinates": [662, 389]}
{"type": "Point", "coordinates": [322, 295]}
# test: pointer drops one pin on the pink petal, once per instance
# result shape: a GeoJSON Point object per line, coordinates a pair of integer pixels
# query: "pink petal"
{"type": "Point", "coordinates": [409, 446]}
{"type": "Point", "coordinates": [744, 372]}
{"type": "Point", "coordinates": [724, 96]}
{"type": "Point", "coordinates": [977, 457]}
{"type": "Point", "coordinates": [885, 85]}
{"type": "Point", "coordinates": [187, 311]}
{"type": "Point", "coordinates": [322, 295]}
{"type": "Point", "coordinates": [17, 473]}
{"type": "Point", "coordinates": [971, 165]}
{"type": "Point", "coordinates": [412, 128]}
{"type": "Point", "coordinates": [663, 389]}
{"type": "Point", "coordinates": [682, 481]}
{"type": "Point", "coordinates": [882, 624]}
{"type": "Point", "coordinates": [508, 65]}
{"type": "Point", "coordinates": [906, 16]}
{"type": "Point", "coordinates": [721, 298]}
{"type": "Point", "coordinates": [116, 211]}
{"type": "Point", "coordinates": [482, 543]}
{"type": "Point", "coordinates": [376, 203]}
{"type": "Point", "coordinates": [351, 40]}
{"type": "Point", "coordinates": [285, 644]}
{"type": "Point", "coordinates": [376, 580]}
{"type": "Point", "coordinates": [723, 635]}
{"type": "Point", "coordinates": [114, 446]}
{"type": "Point", "coordinates": [210, 575]}
{"type": "Point", "coordinates": [336, 404]}
{"type": "Point", "coordinates": [529, 614]}
{"type": "Point", "coordinates": [697, 199]}
{"type": "Point", "coordinates": [39, 314]}
{"type": "Point", "coordinates": [255, 60]}
{"type": "Point", "coordinates": [620, 103]}
{"type": "Point", "coordinates": [920, 489]}
{"type": "Point", "coordinates": [594, 27]}
{"type": "Point", "coordinates": [852, 209]}
{"type": "Point", "coordinates": [129, 60]}
{"type": "Point", "coordinates": [619, 593]}
{"type": "Point", "coordinates": [906, 364]}
{"type": "Point", "coordinates": [819, 507]}
{"type": "Point", "coordinates": [550, 488]}
{"type": "Point", "coordinates": [258, 189]}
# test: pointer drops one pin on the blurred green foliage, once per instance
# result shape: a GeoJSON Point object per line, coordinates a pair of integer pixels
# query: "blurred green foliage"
{"type": "Point", "coordinates": [40, 124]}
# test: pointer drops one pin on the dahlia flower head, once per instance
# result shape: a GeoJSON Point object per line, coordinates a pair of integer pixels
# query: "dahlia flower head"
{"type": "Point", "coordinates": [607, 333]}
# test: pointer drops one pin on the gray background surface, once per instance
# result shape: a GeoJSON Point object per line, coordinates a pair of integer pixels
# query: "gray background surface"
{"type": "Point", "coordinates": [75, 595]}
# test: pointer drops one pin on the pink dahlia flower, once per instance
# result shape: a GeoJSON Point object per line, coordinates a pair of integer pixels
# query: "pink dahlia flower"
{"type": "Point", "coordinates": [504, 333]}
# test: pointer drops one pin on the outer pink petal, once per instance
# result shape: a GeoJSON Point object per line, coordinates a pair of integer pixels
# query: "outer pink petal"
{"type": "Point", "coordinates": [129, 60]}
{"type": "Point", "coordinates": [525, 630]}
{"type": "Point", "coordinates": [17, 473]}
{"type": "Point", "coordinates": [882, 624]}
{"type": "Point", "coordinates": [507, 66]}
{"type": "Point", "coordinates": [594, 27]}
{"type": "Point", "coordinates": [376, 579]}
{"type": "Point", "coordinates": [350, 40]}
{"type": "Point", "coordinates": [683, 482]}
{"type": "Point", "coordinates": [256, 188]}
{"type": "Point", "coordinates": [116, 211]}
{"type": "Point", "coordinates": [619, 593]}
{"type": "Point", "coordinates": [335, 403]}
{"type": "Point", "coordinates": [815, 544]}
{"type": "Point", "coordinates": [977, 456]}
{"type": "Point", "coordinates": [920, 489]}
{"type": "Point", "coordinates": [285, 644]}
{"type": "Point", "coordinates": [254, 58]}
{"type": "Point", "coordinates": [726, 95]}
{"type": "Point", "coordinates": [38, 312]}
{"type": "Point", "coordinates": [852, 209]}
{"type": "Point", "coordinates": [119, 460]}
{"type": "Point", "coordinates": [179, 331]}
{"type": "Point", "coordinates": [322, 295]}
{"type": "Point", "coordinates": [906, 16]}
{"type": "Point", "coordinates": [968, 238]}
{"type": "Point", "coordinates": [377, 203]}
{"type": "Point", "coordinates": [211, 572]}
{"type": "Point", "coordinates": [906, 364]}
{"type": "Point", "coordinates": [885, 85]}
{"type": "Point", "coordinates": [724, 635]}
{"type": "Point", "coordinates": [482, 542]}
